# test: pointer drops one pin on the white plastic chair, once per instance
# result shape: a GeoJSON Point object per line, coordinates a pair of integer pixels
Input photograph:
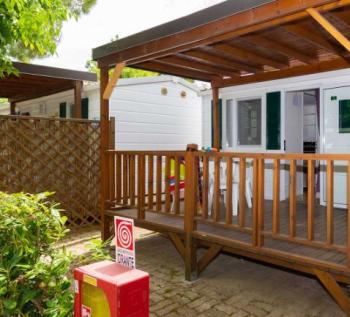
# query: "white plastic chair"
{"type": "Point", "coordinates": [235, 185]}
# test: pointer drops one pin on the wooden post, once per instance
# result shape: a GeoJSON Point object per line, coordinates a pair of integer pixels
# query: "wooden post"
{"type": "Point", "coordinates": [12, 108]}
{"type": "Point", "coordinates": [77, 98]}
{"type": "Point", "coordinates": [216, 119]}
{"type": "Point", "coordinates": [189, 223]}
{"type": "Point", "coordinates": [104, 126]}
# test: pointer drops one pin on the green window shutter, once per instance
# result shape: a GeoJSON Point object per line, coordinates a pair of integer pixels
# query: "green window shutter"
{"type": "Point", "coordinates": [63, 110]}
{"type": "Point", "coordinates": [273, 120]}
{"type": "Point", "coordinates": [220, 124]}
{"type": "Point", "coordinates": [85, 108]}
{"type": "Point", "coordinates": [344, 116]}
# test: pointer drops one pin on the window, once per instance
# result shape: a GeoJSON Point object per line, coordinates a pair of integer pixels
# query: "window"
{"type": "Point", "coordinates": [229, 123]}
{"type": "Point", "coordinates": [249, 122]}
{"type": "Point", "coordinates": [344, 116]}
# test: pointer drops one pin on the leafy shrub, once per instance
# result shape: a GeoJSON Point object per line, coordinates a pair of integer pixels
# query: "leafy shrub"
{"type": "Point", "coordinates": [33, 273]}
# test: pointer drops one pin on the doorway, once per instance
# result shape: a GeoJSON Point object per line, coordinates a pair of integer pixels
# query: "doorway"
{"type": "Point", "coordinates": [302, 133]}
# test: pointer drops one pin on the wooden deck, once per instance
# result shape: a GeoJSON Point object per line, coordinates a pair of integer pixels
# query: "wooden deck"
{"type": "Point", "coordinates": [219, 232]}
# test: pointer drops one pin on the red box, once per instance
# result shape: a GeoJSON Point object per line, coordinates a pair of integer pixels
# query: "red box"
{"type": "Point", "coordinates": [107, 289]}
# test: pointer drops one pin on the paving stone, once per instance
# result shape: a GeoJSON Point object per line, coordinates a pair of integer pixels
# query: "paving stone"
{"type": "Point", "coordinates": [206, 306]}
{"type": "Point", "coordinates": [240, 313]}
{"type": "Point", "coordinates": [167, 309]}
{"type": "Point", "coordinates": [186, 312]}
{"type": "Point", "coordinates": [227, 309]}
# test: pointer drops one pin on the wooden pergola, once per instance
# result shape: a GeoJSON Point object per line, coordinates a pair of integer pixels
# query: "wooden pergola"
{"type": "Point", "coordinates": [234, 43]}
{"type": "Point", "coordinates": [35, 81]}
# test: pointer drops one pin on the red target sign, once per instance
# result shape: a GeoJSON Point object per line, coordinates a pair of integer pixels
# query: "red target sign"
{"type": "Point", "coordinates": [125, 241]}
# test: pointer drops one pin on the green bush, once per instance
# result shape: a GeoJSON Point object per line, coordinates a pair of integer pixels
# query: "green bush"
{"type": "Point", "coordinates": [33, 273]}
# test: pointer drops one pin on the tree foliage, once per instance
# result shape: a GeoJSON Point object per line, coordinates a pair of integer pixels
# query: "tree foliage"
{"type": "Point", "coordinates": [33, 273]}
{"type": "Point", "coordinates": [32, 28]}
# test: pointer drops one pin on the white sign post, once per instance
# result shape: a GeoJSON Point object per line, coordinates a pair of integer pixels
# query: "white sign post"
{"type": "Point", "coordinates": [125, 242]}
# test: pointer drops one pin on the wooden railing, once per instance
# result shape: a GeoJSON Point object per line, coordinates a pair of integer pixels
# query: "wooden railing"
{"type": "Point", "coordinates": [141, 179]}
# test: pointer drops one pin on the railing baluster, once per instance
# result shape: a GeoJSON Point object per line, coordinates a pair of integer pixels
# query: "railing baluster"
{"type": "Point", "coordinates": [159, 183]}
{"type": "Point", "coordinates": [310, 199]}
{"type": "Point", "coordinates": [216, 214]}
{"type": "Point", "coordinates": [112, 198]}
{"type": "Point", "coordinates": [348, 224]}
{"type": "Point", "coordinates": [141, 186]}
{"type": "Point", "coordinates": [292, 198]}
{"type": "Point", "coordinates": [255, 221]}
{"type": "Point", "coordinates": [132, 179]}
{"type": "Point", "coordinates": [167, 183]}
{"type": "Point", "coordinates": [242, 189]}
{"type": "Point", "coordinates": [177, 186]}
{"type": "Point", "coordinates": [119, 178]}
{"type": "Point", "coordinates": [125, 179]}
{"type": "Point", "coordinates": [205, 186]}
{"type": "Point", "coordinates": [196, 188]}
{"type": "Point", "coordinates": [261, 211]}
{"type": "Point", "coordinates": [330, 190]}
{"type": "Point", "coordinates": [276, 197]}
{"type": "Point", "coordinates": [150, 182]}
{"type": "Point", "coordinates": [229, 181]}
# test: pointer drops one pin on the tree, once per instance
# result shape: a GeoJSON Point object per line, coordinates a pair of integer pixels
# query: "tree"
{"type": "Point", "coordinates": [32, 28]}
{"type": "Point", "coordinates": [127, 72]}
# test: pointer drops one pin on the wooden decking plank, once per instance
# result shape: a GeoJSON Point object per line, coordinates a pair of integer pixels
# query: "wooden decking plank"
{"type": "Point", "coordinates": [212, 233]}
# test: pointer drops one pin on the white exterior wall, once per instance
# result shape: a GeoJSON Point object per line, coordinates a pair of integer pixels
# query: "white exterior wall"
{"type": "Point", "coordinates": [323, 81]}
{"type": "Point", "coordinates": [148, 120]}
{"type": "Point", "coordinates": [52, 104]}
{"type": "Point", "coordinates": [5, 109]}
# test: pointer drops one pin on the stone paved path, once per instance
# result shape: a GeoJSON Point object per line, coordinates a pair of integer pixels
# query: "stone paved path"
{"type": "Point", "coordinates": [229, 287]}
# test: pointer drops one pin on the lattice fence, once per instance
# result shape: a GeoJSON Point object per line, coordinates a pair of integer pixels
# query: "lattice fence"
{"type": "Point", "coordinates": [56, 155]}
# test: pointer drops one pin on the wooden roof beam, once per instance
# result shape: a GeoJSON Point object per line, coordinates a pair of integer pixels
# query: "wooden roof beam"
{"type": "Point", "coordinates": [248, 55]}
{"type": "Point", "coordinates": [173, 70]}
{"type": "Point", "coordinates": [285, 73]}
{"type": "Point", "coordinates": [330, 28]}
{"type": "Point", "coordinates": [217, 60]}
{"type": "Point", "coordinates": [281, 48]}
{"type": "Point", "coordinates": [314, 38]}
{"type": "Point", "coordinates": [180, 61]}
{"type": "Point", "coordinates": [260, 18]}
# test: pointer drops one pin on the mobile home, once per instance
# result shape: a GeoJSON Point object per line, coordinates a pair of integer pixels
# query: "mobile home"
{"type": "Point", "coordinates": [162, 112]}
{"type": "Point", "coordinates": [307, 114]}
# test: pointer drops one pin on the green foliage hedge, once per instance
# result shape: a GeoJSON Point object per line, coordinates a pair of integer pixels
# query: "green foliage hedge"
{"type": "Point", "coordinates": [33, 273]}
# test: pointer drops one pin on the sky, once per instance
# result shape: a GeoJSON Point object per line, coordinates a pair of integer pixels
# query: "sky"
{"type": "Point", "coordinates": [109, 18]}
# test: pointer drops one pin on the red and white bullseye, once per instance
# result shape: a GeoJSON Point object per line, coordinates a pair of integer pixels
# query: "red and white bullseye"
{"type": "Point", "coordinates": [124, 235]}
